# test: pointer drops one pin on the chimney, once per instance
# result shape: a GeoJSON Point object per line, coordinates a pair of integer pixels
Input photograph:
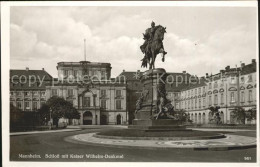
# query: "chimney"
{"type": "Point", "coordinates": [184, 72]}
{"type": "Point", "coordinates": [242, 64]}
{"type": "Point", "coordinates": [138, 71]}
{"type": "Point", "coordinates": [207, 75]}
{"type": "Point", "coordinates": [27, 68]}
{"type": "Point", "coordinates": [253, 61]}
{"type": "Point", "coordinates": [42, 69]}
{"type": "Point", "coordinates": [222, 71]}
{"type": "Point", "coordinates": [123, 70]}
{"type": "Point", "coordinates": [227, 67]}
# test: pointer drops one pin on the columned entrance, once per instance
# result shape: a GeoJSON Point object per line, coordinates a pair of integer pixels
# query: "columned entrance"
{"type": "Point", "coordinates": [87, 118]}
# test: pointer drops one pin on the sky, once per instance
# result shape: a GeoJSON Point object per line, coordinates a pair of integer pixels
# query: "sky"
{"type": "Point", "coordinates": [199, 40]}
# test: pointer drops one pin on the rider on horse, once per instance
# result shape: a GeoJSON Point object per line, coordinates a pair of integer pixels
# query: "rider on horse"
{"type": "Point", "coordinates": [146, 47]}
{"type": "Point", "coordinates": [148, 37]}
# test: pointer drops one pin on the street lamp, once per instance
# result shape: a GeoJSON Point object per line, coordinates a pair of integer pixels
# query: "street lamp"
{"type": "Point", "coordinates": [50, 118]}
{"type": "Point", "coordinates": [94, 103]}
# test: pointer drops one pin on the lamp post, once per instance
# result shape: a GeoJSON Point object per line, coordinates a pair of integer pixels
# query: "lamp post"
{"type": "Point", "coordinates": [94, 103]}
{"type": "Point", "coordinates": [50, 119]}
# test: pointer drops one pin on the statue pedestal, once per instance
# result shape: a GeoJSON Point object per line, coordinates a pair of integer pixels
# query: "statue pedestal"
{"type": "Point", "coordinates": [153, 80]}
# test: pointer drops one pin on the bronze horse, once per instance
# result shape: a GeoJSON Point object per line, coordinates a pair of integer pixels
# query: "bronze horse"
{"type": "Point", "coordinates": [154, 47]}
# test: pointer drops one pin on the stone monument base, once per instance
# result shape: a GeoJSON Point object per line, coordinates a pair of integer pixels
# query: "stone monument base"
{"type": "Point", "coordinates": [158, 125]}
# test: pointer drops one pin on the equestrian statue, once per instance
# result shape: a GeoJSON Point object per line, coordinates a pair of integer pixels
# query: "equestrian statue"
{"type": "Point", "coordinates": [153, 45]}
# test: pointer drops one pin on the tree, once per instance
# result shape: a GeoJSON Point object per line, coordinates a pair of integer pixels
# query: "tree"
{"type": "Point", "coordinates": [44, 113]}
{"type": "Point", "coordinates": [58, 108]}
{"type": "Point", "coordinates": [251, 114]}
{"type": "Point", "coordinates": [239, 113]}
{"type": "Point", "coordinates": [215, 114]}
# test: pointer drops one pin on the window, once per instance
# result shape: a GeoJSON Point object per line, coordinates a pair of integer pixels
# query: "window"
{"type": "Point", "coordinates": [210, 102]}
{"type": "Point", "coordinates": [103, 93]}
{"type": "Point", "coordinates": [118, 104]}
{"type": "Point", "coordinates": [66, 73]}
{"type": "Point", "coordinates": [27, 105]}
{"type": "Point", "coordinates": [250, 97]}
{"type": "Point", "coordinates": [216, 84]}
{"type": "Point", "coordinates": [90, 73]}
{"type": "Point", "coordinates": [195, 103]}
{"type": "Point", "coordinates": [199, 91]}
{"type": "Point", "coordinates": [18, 93]}
{"type": "Point", "coordinates": [232, 96]}
{"type": "Point", "coordinates": [199, 103]}
{"type": "Point", "coordinates": [35, 105]}
{"type": "Point", "coordinates": [192, 104]}
{"type": "Point", "coordinates": [86, 101]}
{"type": "Point", "coordinates": [216, 99]}
{"type": "Point", "coordinates": [210, 86]}
{"type": "Point", "coordinates": [42, 93]}
{"type": "Point", "coordinates": [75, 73]}
{"type": "Point", "coordinates": [70, 92]}
{"type": "Point", "coordinates": [250, 79]}
{"type": "Point", "coordinates": [103, 104]}
{"type": "Point", "coordinates": [233, 80]}
{"type": "Point", "coordinates": [188, 104]}
{"type": "Point", "coordinates": [54, 92]}
{"type": "Point", "coordinates": [26, 93]}
{"type": "Point", "coordinates": [103, 74]}
{"type": "Point", "coordinates": [204, 89]}
{"type": "Point", "coordinates": [34, 93]}
{"type": "Point", "coordinates": [118, 93]}
{"type": "Point", "coordinates": [204, 102]}
{"type": "Point", "coordinates": [11, 93]}
{"type": "Point", "coordinates": [222, 98]}
{"type": "Point", "coordinates": [222, 82]}
{"type": "Point", "coordinates": [242, 97]}
{"type": "Point", "coordinates": [242, 80]}
{"type": "Point", "coordinates": [19, 104]}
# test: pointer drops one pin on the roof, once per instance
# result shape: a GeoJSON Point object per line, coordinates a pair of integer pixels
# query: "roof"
{"type": "Point", "coordinates": [130, 75]}
{"type": "Point", "coordinates": [176, 81]}
{"type": "Point", "coordinates": [200, 83]}
{"type": "Point", "coordinates": [247, 69]}
{"type": "Point", "coordinates": [30, 79]}
{"type": "Point", "coordinates": [42, 74]}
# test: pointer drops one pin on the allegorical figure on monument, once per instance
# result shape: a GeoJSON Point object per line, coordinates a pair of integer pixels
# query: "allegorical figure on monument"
{"type": "Point", "coordinates": [153, 45]}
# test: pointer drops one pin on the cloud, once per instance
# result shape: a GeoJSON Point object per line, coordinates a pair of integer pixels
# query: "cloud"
{"type": "Point", "coordinates": [114, 35]}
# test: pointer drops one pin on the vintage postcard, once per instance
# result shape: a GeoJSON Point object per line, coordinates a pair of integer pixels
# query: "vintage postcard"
{"type": "Point", "coordinates": [151, 83]}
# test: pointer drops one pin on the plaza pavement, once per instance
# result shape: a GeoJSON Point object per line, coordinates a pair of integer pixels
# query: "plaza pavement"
{"type": "Point", "coordinates": [229, 142]}
{"type": "Point", "coordinates": [46, 131]}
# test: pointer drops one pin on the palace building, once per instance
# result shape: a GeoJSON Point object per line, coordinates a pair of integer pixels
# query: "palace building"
{"type": "Point", "coordinates": [88, 86]}
{"type": "Point", "coordinates": [28, 88]}
{"type": "Point", "coordinates": [103, 100]}
{"type": "Point", "coordinates": [230, 88]}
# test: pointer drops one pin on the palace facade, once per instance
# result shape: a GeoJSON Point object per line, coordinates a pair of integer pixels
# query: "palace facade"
{"type": "Point", "coordinates": [28, 88]}
{"type": "Point", "coordinates": [103, 100]}
{"type": "Point", "coordinates": [230, 88]}
{"type": "Point", "coordinates": [88, 86]}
